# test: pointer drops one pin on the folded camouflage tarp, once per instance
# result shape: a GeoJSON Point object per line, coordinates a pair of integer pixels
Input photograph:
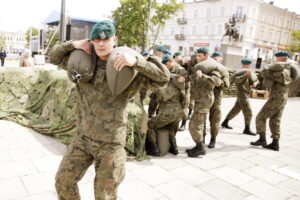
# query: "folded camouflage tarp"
{"type": "Point", "coordinates": [45, 100]}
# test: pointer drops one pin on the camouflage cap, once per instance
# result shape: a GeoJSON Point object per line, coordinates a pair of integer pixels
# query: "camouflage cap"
{"type": "Point", "coordinates": [159, 48]}
{"type": "Point", "coordinates": [166, 58]}
{"type": "Point", "coordinates": [203, 50]}
{"type": "Point", "coordinates": [281, 53]}
{"type": "Point", "coordinates": [177, 54]}
{"type": "Point", "coordinates": [103, 30]}
{"type": "Point", "coordinates": [217, 54]}
{"type": "Point", "coordinates": [246, 61]}
{"type": "Point", "coordinates": [166, 51]}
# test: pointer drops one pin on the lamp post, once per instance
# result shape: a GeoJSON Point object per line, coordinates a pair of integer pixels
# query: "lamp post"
{"type": "Point", "coordinates": [62, 23]}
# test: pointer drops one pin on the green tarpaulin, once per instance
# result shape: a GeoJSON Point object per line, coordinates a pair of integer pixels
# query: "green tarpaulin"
{"type": "Point", "coordinates": [45, 100]}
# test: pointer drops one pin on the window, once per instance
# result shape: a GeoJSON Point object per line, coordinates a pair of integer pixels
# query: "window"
{"type": "Point", "coordinates": [172, 30]}
{"type": "Point", "coordinates": [205, 30]}
{"type": "Point", "coordinates": [196, 14]}
{"type": "Point", "coordinates": [219, 31]}
{"type": "Point", "coordinates": [208, 12]}
{"type": "Point", "coordinates": [180, 48]}
{"type": "Point", "coordinates": [222, 13]}
{"type": "Point", "coordinates": [254, 12]}
{"type": "Point", "coordinates": [277, 36]}
{"type": "Point", "coordinates": [194, 30]}
{"type": "Point", "coordinates": [250, 31]}
{"type": "Point", "coordinates": [265, 17]}
{"type": "Point", "coordinates": [287, 23]}
{"type": "Point", "coordinates": [274, 19]}
{"type": "Point", "coordinates": [191, 49]}
{"type": "Point", "coordinates": [182, 30]}
{"type": "Point", "coordinates": [270, 35]}
{"type": "Point", "coordinates": [239, 12]}
{"type": "Point", "coordinates": [262, 33]}
{"type": "Point", "coordinates": [280, 22]}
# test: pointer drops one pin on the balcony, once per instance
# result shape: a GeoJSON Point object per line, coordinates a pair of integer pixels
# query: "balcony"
{"type": "Point", "coordinates": [182, 21]}
{"type": "Point", "coordinates": [179, 37]}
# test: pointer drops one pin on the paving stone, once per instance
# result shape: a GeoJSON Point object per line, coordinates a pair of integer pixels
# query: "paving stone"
{"type": "Point", "coordinates": [264, 190]}
{"type": "Point", "coordinates": [154, 175]}
{"type": "Point", "coordinates": [42, 196]}
{"type": "Point", "coordinates": [290, 171]}
{"type": "Point", "coordinates": [168, 162]}
{"type": "Point", "coordinates": [204, 163]}
{"type": "Point", "coordinates": [16, 169]}
{"type": "Point", "coordinates": [231, 175]}
{"type": "Point", "coordinates": [179, 190]}
{"type": "Point", "coordinates": [12, 188]}
{"type": "Point", "coordinates": [291, 185]}
{"type": "Point", "coordinates": [269, 176]}
{"type": "Point", "coordinates": [235, 162]}
{"type": "Point", "coordinates": [137, 190]}
{"type": "Point", "coordinates": [192, 175]}
{"type": "Point", "coordinates": [47, 164]}
{"type": "Point", "coordinates": [265, 162]}
{"type": "Point", "coordinates": [222, 190]}
{"type": "Point", "coordinates": [38, 183]}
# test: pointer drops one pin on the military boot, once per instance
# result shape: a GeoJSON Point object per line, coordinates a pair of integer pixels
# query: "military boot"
{"type": "Point", "coordinates": [225, 124]}
{"type": "Point", "coordinates": [212, 142]}
{"type": "Point", "coordinates": [261, 141]}
{"type": "Point", "coordinates": [182, 127]}
{"type": "Point", "coordinates": [153, 149]}
{"type": "Point", "coordinates": [248, 131]}
{"type": "Point", "coordinates": [173, 148]}
{"type": "Point", "coordinates": [199, 149]}
{"type": "Point", "coordinates": [274, 145]}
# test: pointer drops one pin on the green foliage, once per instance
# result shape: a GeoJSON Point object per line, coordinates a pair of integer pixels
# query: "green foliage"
{"type": "Point", "coordinates": [295, 42]}
{"type": "Point", "coordinates": [2, 40]}
{"type": "Point", "coordinates": [49, 35]}
{"type": "Point", "coordinates": [34, 32]}
{"type": "Point", "coordinates": [133, 22]}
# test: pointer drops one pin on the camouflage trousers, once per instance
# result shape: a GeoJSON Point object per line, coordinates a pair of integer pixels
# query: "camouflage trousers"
{"type": "Point", "coordinates": [109, 159]}
{"type": "Point", "coordinates": [241, 104]}
{"type": "Point", "coordinates": [165, 119]}
{"type": "Point", "coordinates": [272, 109]}
{"type": "Point", "coordinates": [196, 125]}
{"type": "Point", "coordinates": [143, 94]}
{"type": "Point", "coordinates": [215, 113]}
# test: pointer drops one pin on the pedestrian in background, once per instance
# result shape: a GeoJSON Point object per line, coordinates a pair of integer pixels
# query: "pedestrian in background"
{"type": "Point", "coordinates": [2, 56]}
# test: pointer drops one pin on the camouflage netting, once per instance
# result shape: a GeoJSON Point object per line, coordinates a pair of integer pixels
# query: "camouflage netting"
{"type": "Point", "coordinates": [45, 100]}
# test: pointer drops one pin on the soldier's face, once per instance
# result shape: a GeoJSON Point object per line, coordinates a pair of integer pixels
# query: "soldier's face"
{"type": "Point", "coordinates": [281, 58]}
{"type": "Point", "coordinates": [218, 59]}
{"type": "Point", "coordinates": [246, 66]}
{"type": "Point", "coordinates": [178, 58]}
{"type": "Point", "coordinates": [170, 64]}
{"type": "Point", "coordinates": [200, 57]}
{"type": "Point", "coordinates": [104, 47]}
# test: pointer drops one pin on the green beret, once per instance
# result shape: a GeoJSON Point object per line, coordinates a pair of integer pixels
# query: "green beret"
{"type": "Point", "coordinates": [159, 48]}
{"type": "Point", "coordinates": [145, 53]}
{"type": "Point", "coordinates": [217, 54]}
{"type": "Point", "coordinates": [166, 51]}
{"type": "Point", "coordinates": [103, 30]}
{"type": "Point", "coordinates": [246, 61]}
{"type": "Point", "coordinates": [281, 53]}
{"type": "Point", "coordinates": [166, 58]}
{"type": "Point", "coordinates": [203, 50]}
{"type": "Point", "coordinates": [177, 54]}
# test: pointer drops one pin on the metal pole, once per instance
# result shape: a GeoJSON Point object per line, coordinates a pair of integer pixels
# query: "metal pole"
{"type": "Point", "coordinates": [62, 21]}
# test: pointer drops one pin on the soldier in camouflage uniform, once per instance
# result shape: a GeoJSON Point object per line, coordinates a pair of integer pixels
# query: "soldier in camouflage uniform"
{"type": "Point", "coordinates": [243, 83]}
{"type": "Point", "coordinates": [215, 110]}
{"type": "Point", "coordinates": [202, 92]}
{"type": "Point", "coordinates": [274, 107]}
{"type": "Point", "coordinates": [101, 117]}
{"type": "Point", "coordinates": [170, 100]}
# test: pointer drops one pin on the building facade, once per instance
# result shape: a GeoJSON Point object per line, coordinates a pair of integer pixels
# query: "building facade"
{"type": "Point", "coordinates": [14, 42]}
{"type": "Point", "coordinates": [263, 28]}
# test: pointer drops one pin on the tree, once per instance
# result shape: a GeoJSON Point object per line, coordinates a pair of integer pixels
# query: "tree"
{"type": "Point", "coordinates": [34, 32]}
{"type": "Point", "coordinates": [51, 37]}
{"type": "Point", "coordinates": [133, 21]}
{"type": "Point", "coordinates": [295, 41]}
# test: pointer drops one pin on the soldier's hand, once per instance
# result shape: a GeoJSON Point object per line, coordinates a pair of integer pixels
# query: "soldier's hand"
{"type": "Point", "coordinates": [199, 73]}
{"type": "Point", "coordinates": [123, 59]}
{"type": "Point", "coordinates": [82, 44]}
{"type": "Point", "coordinates": [181, 79]}
{"type": "Point", "coordinates": [254, 84]}
{"type": "Point", "coordinates": [248, 73]}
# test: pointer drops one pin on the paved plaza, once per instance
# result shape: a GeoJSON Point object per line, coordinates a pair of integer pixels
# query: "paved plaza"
{"type": "Point", "coordinates": [233, 170]}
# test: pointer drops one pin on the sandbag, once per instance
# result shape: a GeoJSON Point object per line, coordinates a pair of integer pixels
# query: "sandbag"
{"type": "Point", "coordinates": [177, 84]}
{"type": "Point", "coordinates": [253, 76]}
{"type": "Point", "coordinates": [209, 65]}
{"type": "Point", "coordinates": [118, 81]}
{"type": "Point", "coordinates": [80, 66]}
{"type": "Point", "coordinates": [280, 66]}
{"type": "Point", "coordinates": [162, 138]}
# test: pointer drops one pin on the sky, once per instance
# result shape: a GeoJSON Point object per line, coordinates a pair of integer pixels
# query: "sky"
{"type": "Point", "coordinates": [18, 15]}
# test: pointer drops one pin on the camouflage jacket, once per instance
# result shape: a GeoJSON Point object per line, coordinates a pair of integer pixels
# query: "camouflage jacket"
{"type": "Point", "coordinates": [101, 116]}
{"type": "Point", "coordinates": [202, 89]}
{"type": "Point", "coordinates": [243, 84]}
